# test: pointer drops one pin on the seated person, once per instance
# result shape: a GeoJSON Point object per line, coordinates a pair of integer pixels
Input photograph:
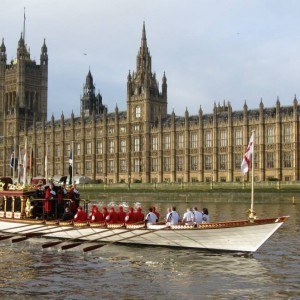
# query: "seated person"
{"type": "Point", "coordinates": [198, 216]}
{"type": "Point", "coordinates": [188, 217]}
{"type": "Point", "coordinates": [96, 215]}
{"type": "Point", "coordinates": [172, 217]}
{"type": "Point", "coordinates": [81, 215]}
{"type": "Point", "coordinates": [205, 215]}
{"type": "Point", "coordinates": [151, 217]}
{"type": "Point", "coordinates": [139, 216]}
{"type": "Point", "coordinates": [130, 216]}
{"type": "Point", "coordinates": [104, 212]}
{"type": "Point", "coordinates": [112, 216]}
{"type": "Point", "coordinates": [67, 215]}
{"type": "Point", "coordinates": [121, 214]}
{"type": "Point", "coordinates": [155, 212]}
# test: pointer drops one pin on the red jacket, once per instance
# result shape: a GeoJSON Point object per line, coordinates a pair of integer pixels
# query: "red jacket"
{"type": "Point", "coordinates": [139, 215]}
{"type": "Point", "coordinates": [96, 216]}
{"type": "Point", "coordinates": [81, 216]}
{"type": "Point", "coordinates": [112, 216]}
{"type": "Point", "coordinates": [121, 215]}
{"type": "Point", "coordinates": [130, 217]}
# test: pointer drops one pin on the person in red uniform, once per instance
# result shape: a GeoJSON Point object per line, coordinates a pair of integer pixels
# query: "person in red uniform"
{"type": "Point", "coordinates": [155, 212]}
{"type": "Point", "coordinates": [121, 214]}
{"type": "Point", "coordinates": [96, 216]}
{"type": "Point", "coordinates": [47, 203]}
{"type": "Point", "coordinates": [112, 216]}
{"type": "Point", "coordinates": [81, 215]}
{"type": "Point", "coordinates": [104, 212]}
{"type": "Point", "coordinates": [139, 216]}
{"type": "Point", "coordinates": [130, 216]}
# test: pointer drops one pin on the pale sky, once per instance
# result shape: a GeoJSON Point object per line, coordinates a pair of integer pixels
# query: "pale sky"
{"type": "Point", "coordinates": [211, 50]}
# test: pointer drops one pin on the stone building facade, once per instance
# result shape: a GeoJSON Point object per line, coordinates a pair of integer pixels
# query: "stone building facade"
{"type": "Point", "coordinates": [144, 143]}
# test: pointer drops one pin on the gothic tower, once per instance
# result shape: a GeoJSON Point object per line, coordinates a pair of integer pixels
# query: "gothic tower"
{"type": "Point", "coordinates": [23, 89]}
{"type": "Point", "coordinates": [91, 103]}
{"type": "Point", "coordinates": [144, 100]}
{"type": "Point", "coordinates": [145, 106]}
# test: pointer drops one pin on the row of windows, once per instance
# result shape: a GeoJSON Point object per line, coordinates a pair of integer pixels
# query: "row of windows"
{"type": "Point", "coordinates": [194, 166]}
{"type": "Point", "coordinates": [154, 144]}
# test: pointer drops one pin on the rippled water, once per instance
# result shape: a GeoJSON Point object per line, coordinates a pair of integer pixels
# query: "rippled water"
{"type": "Point", "coordinates": [123, 272]}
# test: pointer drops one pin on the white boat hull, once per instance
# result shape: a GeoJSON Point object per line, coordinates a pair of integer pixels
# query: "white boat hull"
{"type": "Point", "coordinates": [241, 236]}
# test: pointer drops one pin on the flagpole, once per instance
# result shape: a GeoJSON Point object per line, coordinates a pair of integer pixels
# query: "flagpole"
{"type": "Point", "coordinates": [251, 215]}
{"type": "Point", "coordinates": [46, 162]}
{"type": "Point", "coordinates": [25, 163]}
{"type": "Point", "coordinates": [19, 165]}
{"type": "Point", "coordinates": [72, 170]}
{"type": "Point", "coordinates": [14, 164]}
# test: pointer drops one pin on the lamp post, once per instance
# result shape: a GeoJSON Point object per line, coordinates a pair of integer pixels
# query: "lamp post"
{"type": "Point", "coordinates": [155, 182]}
{"type": "Point", "coordinates": [129, 178]}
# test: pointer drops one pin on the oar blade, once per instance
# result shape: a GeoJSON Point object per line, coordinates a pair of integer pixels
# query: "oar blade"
{"type": "Point", "coordinates": [20, 239]}
{"type": "Point", "coordinates": [94, 247]}
{"type": "Point", "coordinates": [51, 244]}
{"type": "Point", "coordinates": [34, 234]}
{"type": "Point", "coordinates": [69, 246]}
{"type": "Point", "coordinates": [6, 237]}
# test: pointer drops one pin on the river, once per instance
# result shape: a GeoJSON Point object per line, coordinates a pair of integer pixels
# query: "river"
{"type": "Point", "coordinates": [133, 272]}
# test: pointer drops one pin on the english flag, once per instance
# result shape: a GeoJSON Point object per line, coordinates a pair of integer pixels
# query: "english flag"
{"type": "Point", "coordinates": [246, 165]}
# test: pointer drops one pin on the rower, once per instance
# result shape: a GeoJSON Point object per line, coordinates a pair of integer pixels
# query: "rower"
{"type": "Point", "coordinates": [188, 217]}
{"type": "Point", "coordinates": [112, 216]}
{"type": "Point", "coordinates": [130, 216]}
{"type": "Point", "coordinates": [81, 215]}
{"type": "Point", "coordinates": [155, 212]}
{"type": "Point", "coordinates": [96, 215]}
{"type": "Point", "coordinates": [197, 215]}
{"type": "Point", "coordinates": [205, 215]}
{"type": "Point", "coordinates": [121, 214]}
{"type": "Point", "coordinates": [139, 216]}
{"type": "Point", "coordinates": [151, 217]}
{"type": "Point", "coordinates": [172, 217]}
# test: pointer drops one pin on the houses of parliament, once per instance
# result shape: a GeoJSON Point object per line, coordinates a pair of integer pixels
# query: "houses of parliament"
{"type": "Point", "coordinates": [145, 143]}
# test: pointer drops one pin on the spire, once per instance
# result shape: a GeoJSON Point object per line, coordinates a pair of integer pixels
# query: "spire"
{"type": "Point", "coordinates": [144, 38]}
{"type": "Point", "coordinates": [44, 55]}
{"type": "Point", "coordinates": [24, 19]}
{"type": "Point", "coordinates": [2, 51]}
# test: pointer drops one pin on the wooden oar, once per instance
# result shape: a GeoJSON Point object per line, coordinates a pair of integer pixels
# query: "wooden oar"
{"type": "Point", "coordinates": [51, 244]}
{"type": "Point", "coordinates": [69, 246]}
{"type": "Point", "coordinates": [37, 233]}
{"type": "Point", "coordinates": [27, 225]}
{"type": "Point", "coordinates": [5, 237]}
{"type": "Point", "coordinates": [90, 248]}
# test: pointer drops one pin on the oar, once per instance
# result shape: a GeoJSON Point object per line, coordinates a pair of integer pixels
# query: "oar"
{"type": "Point", "coordinates": [51, 244]}
{"type": "Point", "coordinates": [5, 237]}
{"type": "Point", "coordinates": [69, 246]}
{"type": "Point", "coordinates": [90, 248]}
{"type": "Point", "coordinates": [27, 225]}
{"type": "Point", "coordinates": [40, 234]}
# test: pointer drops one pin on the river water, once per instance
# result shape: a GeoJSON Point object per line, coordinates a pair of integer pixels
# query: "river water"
{"type": "Point", "coordinates": [133, 272]}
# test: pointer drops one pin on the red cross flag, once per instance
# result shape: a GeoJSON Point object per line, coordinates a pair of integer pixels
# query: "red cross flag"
{"type": "Point", "coordinates": [246, 165]}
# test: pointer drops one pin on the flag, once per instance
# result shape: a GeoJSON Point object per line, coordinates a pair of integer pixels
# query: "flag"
{"type": "Point", "coordinates": [12, 160]}
{"type": "Point", "coordinates": [20, 166]}
{"type": "Point", "coordinates": [245, 166]}
{"type": "Point", "coordinates": [71, 159]}
{"type": "Point", "coordinates": [70, 167]}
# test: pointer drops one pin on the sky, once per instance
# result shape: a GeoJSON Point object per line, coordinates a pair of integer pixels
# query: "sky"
{"type": "Point", "coordinates": [211, 50]}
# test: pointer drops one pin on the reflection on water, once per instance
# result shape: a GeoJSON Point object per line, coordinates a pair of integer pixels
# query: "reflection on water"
{"type": "Point", "coordinates": [123, 272]}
